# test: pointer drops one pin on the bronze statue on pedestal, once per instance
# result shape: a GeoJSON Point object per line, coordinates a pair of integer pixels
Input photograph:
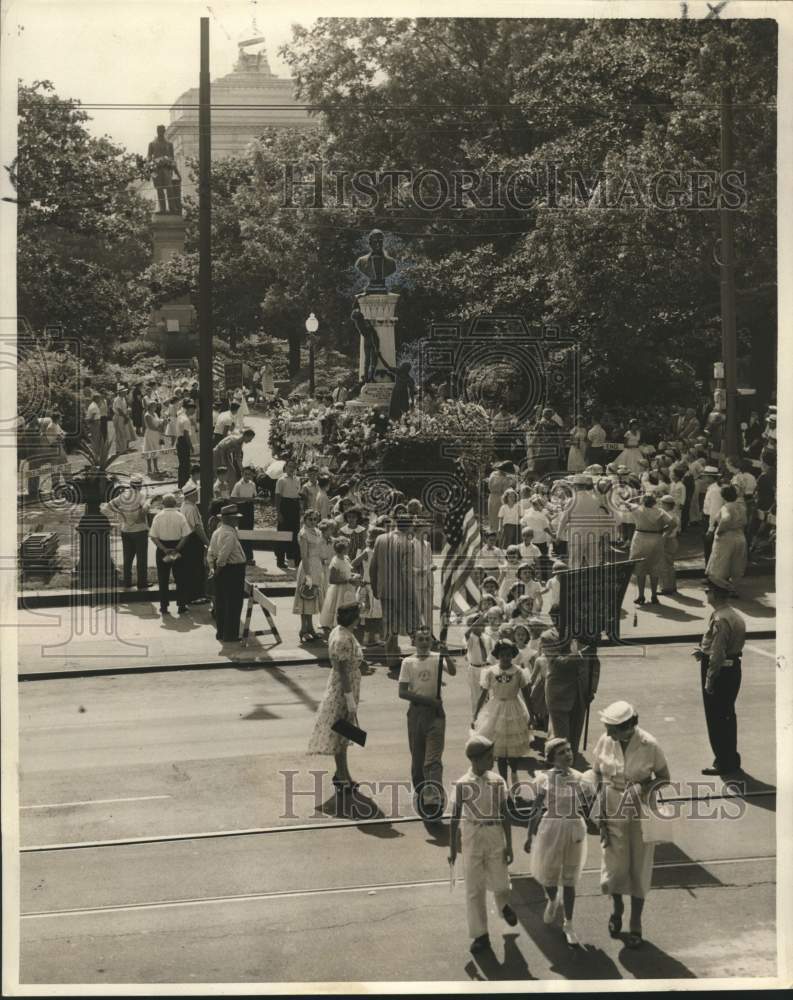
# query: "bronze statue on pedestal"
{"type": "Point", "coordinates": [163, 168]}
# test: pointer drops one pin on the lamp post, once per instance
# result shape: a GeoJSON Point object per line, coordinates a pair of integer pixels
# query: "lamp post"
{"type": "Point", "coordinates": [312, 325]}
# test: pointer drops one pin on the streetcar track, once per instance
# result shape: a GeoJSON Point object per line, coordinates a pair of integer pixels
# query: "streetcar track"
{"type": "Point", "coordinates": [306, 827]}
{"type": "Point", "coordinates": [340, 890]}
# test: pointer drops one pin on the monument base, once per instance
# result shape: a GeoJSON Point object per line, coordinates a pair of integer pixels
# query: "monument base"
{"type": "Point", "coordinates": [376, 394]}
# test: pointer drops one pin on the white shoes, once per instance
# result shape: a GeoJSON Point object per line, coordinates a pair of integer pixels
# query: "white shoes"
{"type": "Point", "coordinates": [550, 910]}
{"type": "Point", "coordinates": [570, 934]}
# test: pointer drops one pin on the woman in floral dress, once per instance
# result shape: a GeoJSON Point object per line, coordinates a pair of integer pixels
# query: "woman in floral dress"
{"type": "Point", "coordinates": [342, 694]}
{"type": "Point", "coordinates": [310, 573]}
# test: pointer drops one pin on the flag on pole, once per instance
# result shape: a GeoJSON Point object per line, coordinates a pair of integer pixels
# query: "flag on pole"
{"type": "Point", "coordinates": [459, 592]}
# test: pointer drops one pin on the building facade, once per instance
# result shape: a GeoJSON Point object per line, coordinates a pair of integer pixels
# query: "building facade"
{"type": "Point", "coordinates": [244, 103]}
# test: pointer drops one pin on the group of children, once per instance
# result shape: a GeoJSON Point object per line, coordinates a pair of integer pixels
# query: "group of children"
{"type": "Point", "coordinates": [501, 735]}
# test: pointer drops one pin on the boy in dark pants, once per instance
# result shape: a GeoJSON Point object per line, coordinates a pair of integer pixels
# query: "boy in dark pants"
{"type": "Point", "coordinates": [420, 683]}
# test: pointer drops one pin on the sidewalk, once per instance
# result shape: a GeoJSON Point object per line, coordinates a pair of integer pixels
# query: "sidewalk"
{"type": "Point", "coordinates": [83, 640]}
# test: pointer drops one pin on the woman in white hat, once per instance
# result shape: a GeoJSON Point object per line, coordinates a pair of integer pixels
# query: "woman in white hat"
{"type": "Point", "coordinates": [629, 767]}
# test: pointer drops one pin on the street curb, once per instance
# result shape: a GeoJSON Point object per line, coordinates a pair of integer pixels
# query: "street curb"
{"type": "Point", "coordinates": [65, 599]}
{"type": "Point", "coordinates": [652, 640]}
{"type": "Point", "coordinates": [68, 599]}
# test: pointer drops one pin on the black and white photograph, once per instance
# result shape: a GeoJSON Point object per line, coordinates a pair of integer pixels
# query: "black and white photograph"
{"type": "Point", "coordinates": [389, 440]}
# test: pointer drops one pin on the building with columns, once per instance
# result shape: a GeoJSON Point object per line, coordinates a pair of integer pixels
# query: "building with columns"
{"type": "Point", "coordinates": [244, 102]}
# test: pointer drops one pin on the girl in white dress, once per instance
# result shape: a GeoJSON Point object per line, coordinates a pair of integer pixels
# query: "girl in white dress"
{"type": "Point", "coordinates": [371, 608]}
{"type": "Point", "coordinates": [502, 714]}
{"type": "Point", "coordinates": [559, 848]}
{"type": "Point", "coordinates": [341, 584]}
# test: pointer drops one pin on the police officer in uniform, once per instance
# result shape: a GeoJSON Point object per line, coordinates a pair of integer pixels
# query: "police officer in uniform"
{"type": "Point", "coordinates": [719, 655]}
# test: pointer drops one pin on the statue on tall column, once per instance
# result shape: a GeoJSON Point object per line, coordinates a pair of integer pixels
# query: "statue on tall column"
{"type": "Point", "coordinates": [162, 164]}
{"type": "Point", "coordinates": [376, 265]}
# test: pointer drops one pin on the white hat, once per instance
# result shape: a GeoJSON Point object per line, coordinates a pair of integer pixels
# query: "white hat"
{"type": "Point", "coordinates": [189, 489]}
{"type": "Point", "coordinates": [477, 745]}
{"type": "Point", "coordinates": [617, 713]}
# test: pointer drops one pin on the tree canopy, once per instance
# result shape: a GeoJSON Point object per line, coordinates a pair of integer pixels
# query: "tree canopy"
{"type": "Point", "coordinates": [82, 228]}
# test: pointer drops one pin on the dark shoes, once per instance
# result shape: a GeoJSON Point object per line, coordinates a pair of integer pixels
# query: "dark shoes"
{"type": "Point", "coordinates": [480, 944]}
{"type": "Point", "coordinates": [510, 916]}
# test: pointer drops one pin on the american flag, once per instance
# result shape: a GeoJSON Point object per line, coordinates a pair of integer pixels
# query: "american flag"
{"type": "Point", "coordinates": [459, 592]}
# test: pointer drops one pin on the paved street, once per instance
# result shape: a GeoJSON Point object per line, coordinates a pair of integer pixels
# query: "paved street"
{"type": "Point", "coordinates": [251, 888]}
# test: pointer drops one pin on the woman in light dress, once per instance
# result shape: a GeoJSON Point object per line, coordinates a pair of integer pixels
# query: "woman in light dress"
{"type": "Point", "coordinates": [170, 423]}
{"type": "Point", "coordinates": [647, 544]}
{"type": "Point", "coordinates": [631, 455]}
{"type": "Point", "coordinates": [152, 437]}
{"type": "Point", "coordinates": [558, 848]}
{"type": "Point", "coordinates": [628, 767]}
{"type": "Point", "coordinates": [310, 573]}
{"type": "Point", "coordinates": [576, 456]}
{"type": "Point", "coordinates": [341, 697]}
{"type": "Point", "coordinates": [122, 422]}
{"type": "Point", "coordinates": [671, 543]}
{"type": "Point", "coordinates": [728, 556]}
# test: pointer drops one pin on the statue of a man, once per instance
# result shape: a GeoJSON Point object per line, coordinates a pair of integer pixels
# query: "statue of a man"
{"type": "Point", "coordinates": [376, 265]}
{"type": "Point", "coordinates": [371, 344]}
{"type": "Point", "coordinates": [163, 167]}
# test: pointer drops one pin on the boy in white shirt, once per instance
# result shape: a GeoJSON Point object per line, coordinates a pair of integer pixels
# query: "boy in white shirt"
{"type": "Point", "coordinates": [477, 655]}
{"type": "Point", "coordinates": [480, 803]}
{"type": "Point", "coordinates": [420, 680]}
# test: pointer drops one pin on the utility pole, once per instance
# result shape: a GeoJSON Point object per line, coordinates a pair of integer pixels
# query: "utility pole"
{"type": "Point", "coordinates": [205, 274]}
{"type": "Point", "coordinates": [729, 348]}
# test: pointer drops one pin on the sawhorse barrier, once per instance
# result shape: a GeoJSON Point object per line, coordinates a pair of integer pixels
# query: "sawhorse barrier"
{"type": "Point", "coordinates": [255, 596]}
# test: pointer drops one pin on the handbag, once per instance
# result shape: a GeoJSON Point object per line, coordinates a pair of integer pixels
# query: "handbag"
{"type": "Point", "coordinates": [350, 732]}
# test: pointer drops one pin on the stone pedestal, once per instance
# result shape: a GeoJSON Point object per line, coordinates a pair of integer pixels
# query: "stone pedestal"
{"type": "Point", "coordinates": [167, 232]}
{"type": "Point", "coordinates": [174, 321]}
{"type": "Point", "coordinates": [380, 309]}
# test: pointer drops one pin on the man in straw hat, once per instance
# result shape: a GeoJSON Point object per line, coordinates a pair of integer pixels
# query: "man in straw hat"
{"type": "Point", "coordinates": [132, 510]}
{"type": "Point", "coordinates": [226, 561]}
{"type": "Point", "coordinates": [719, 656]}
{"type": "Point", "coordinates": [480, 804]}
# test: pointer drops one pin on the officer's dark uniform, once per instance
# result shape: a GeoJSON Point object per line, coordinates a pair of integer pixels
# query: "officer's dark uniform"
{"type": "Point", "coordinates": [720, 658]}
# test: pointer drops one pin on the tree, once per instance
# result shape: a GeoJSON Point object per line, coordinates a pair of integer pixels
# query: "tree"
{"type": "Point", "coordinates": [82, 229]}
{"type": "Point", "coordinates": [634, 285]}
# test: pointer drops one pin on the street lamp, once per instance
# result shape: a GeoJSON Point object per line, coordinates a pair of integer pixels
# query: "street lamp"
{"type": "Point", "coordinates": [312, 325]}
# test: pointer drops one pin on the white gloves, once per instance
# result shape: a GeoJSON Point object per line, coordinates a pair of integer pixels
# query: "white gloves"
{"type": "Point", "coordinates": [349, 697]}
{"type": "Point", "coordinates": [309, 581]}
